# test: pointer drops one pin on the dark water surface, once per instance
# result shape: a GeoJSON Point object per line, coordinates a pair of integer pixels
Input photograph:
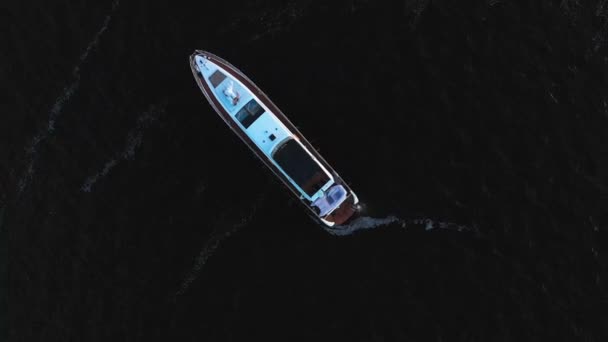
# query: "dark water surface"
{"type": "Point", "coordinates": [132, 212]}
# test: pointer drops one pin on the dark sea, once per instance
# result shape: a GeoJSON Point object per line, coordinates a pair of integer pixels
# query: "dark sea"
{"type": "Point", "coordinates": [474, 132]}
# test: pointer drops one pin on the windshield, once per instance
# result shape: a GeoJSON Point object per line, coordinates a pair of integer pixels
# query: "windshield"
{"type": "Point", "coordinates": [249, 113]}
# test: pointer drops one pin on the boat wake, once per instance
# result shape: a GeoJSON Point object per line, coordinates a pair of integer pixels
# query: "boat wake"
{"type": "Point", "coordinates": [133, 142]}
{"type": "Point", "coordinates": [221, 233]}
{"type": "Point", "coordinates": [366, 222]}
{"type": "Point", "coordinates": [68, 91]}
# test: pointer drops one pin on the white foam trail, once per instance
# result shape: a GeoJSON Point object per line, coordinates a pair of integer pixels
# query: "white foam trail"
{"type": "Point", "coordinates": [88, 184]}
{"type": "Point", "coordinates": [133, 142]}
{"type": "Point", "coordinates": [211, 245]}
{"type": "Point", "coordinates": [366, 222]}
{"type": "Point", "coordinates": [68, 91]}
{"type": "Point", "coordinates": [204, 255]}
{"type": "Point", "coordinates": [362, 223]}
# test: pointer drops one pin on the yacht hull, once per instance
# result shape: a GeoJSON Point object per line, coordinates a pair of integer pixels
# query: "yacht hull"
{"type": "Point", "coordinates": [208, 69]}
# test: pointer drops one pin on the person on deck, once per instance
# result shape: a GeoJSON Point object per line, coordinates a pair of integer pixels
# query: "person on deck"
{"type": "Point", "coordinates": [232, 94]}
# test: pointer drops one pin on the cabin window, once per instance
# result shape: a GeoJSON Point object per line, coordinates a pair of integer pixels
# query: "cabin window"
{"type": "Point", "coordinates": [249, 113]}
{"type": "Point", "coordinates": [216, 78]}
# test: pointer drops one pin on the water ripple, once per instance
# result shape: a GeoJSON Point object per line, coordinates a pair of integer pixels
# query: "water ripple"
{"type": "Point", "coordinates": [68, 92]}
{"type": "Point", "coordinates": [133, 141]}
